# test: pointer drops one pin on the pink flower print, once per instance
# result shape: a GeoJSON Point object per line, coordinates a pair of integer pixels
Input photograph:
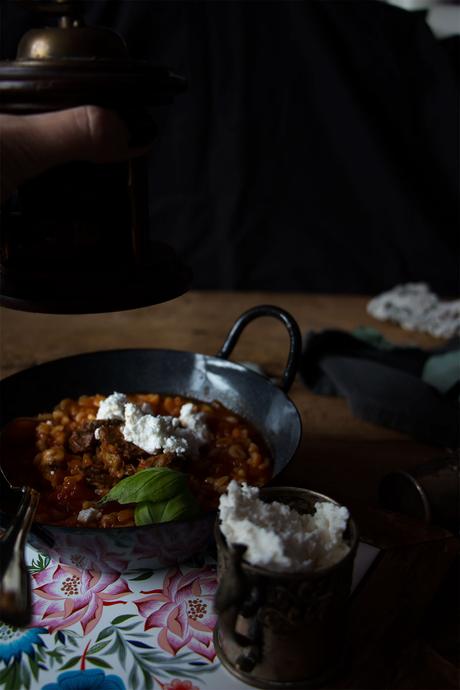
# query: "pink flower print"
{"type": "Point", "coordinates": [65, 596]}
{"type": "Point", "coordinates": [180, 685]}
{"type": "Point", "coordinates": [183, 611]}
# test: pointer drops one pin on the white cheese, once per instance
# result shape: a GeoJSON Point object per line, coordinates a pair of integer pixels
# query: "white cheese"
{"type": "Point", "coordinates": [182, 435]}
{"type": "Point", "coordinates": [278, 537]}
{"type": "Point", "coordinates": [195, 423]}
{"type": "Point", "coordinates": [88, 515]}
{"type": "Point", "coordinates": [153, 433]}
{"type": "Point", "coordinates": [113, 407]}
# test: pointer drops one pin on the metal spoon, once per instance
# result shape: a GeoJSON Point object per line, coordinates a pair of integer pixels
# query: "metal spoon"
{"type": "Point", "coordinates": [15, 592]}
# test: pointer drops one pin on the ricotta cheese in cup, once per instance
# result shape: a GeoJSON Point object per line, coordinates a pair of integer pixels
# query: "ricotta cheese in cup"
{"type": "Point", "coordinates": [279, 538]}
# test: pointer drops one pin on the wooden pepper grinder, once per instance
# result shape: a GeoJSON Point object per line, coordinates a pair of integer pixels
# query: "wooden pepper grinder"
{"type": "Point", "coordinates": [76, 239]}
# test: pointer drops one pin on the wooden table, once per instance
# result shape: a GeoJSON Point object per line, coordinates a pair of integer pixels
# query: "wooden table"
{"type": "Point", "coordinates": [339, 455]}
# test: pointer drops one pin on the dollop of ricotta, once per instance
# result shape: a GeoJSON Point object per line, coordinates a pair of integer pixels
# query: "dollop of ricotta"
{"type": "Point", "coordinates": [278, 537]}
{"type": "Point", "coordinates": [195, 423]}
{"type": "Point", "coordinates": [113, 407]}
{"type": "Point", "coordinates": [183, 435]}
{"type": "Point", "coordinates": [88, 515]}
{"type": "Point", "coordinates": [153, 433]}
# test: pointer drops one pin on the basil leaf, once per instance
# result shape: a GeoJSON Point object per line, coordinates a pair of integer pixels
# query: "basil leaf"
{"type": "Point", "coordinates": [154, 484]}
{"type": "Point", "coordinates": [180, 507]}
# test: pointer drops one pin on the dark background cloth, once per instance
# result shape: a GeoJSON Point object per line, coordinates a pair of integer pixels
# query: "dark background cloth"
{"type": "Point", "coordinates": [315, 149]}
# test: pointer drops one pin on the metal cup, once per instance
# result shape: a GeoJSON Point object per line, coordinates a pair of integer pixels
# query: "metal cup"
{"type": "Point", "coordinates": [282, 630]}
{"type": "Point", "coordinates": [428, 492]}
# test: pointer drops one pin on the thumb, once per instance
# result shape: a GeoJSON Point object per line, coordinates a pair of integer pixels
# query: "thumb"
{"type": "Point", "coordinates": [30, 144]}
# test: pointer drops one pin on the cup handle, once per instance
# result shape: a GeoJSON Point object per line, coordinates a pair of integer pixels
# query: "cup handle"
{"type": "Point", "coordinates": [235, 597]}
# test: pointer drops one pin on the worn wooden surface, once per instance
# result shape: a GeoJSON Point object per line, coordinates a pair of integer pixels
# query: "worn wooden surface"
{"type": "Point", "coordinates": [339, 455]}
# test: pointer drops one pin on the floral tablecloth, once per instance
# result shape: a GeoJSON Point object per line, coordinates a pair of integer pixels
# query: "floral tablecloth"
{"type": "Point", "coordinates": [136, 630]}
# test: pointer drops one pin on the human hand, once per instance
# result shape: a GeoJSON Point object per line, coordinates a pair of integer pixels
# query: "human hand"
{"type": "Point", "coordinates": [30, 144]}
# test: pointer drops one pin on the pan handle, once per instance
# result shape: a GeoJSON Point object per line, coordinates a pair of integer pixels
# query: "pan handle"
{"type": "Point", "coordinates": [295, 344]}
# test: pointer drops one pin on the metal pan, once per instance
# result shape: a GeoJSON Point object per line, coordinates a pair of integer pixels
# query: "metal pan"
{"type": "Point", "coordinates": [255, 397]}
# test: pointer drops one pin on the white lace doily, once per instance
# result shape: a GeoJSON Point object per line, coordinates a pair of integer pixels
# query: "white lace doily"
{"type": "Point", "coordinates": [416, 308]}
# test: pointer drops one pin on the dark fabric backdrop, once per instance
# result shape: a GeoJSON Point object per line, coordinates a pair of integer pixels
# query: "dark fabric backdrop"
{"type": "Point", "coordinates": [315, 149]}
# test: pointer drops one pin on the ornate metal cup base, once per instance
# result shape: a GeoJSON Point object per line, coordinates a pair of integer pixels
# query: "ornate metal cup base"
{"type": "Point", "coordinates": [258, 682]}
{"type": "Point", "coordinates": [283, 629]}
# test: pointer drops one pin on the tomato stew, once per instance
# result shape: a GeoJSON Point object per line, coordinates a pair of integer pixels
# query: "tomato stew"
{"type": "Point", "coordinates": [77, 469]}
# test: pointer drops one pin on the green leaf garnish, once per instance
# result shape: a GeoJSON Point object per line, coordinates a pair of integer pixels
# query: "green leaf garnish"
{"type": "Point", "coordinates": [154, 484]}
{"type": "Point", "coordinates": [160, 495]}
{"type": "Point", "coordinates": [181, 507]}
